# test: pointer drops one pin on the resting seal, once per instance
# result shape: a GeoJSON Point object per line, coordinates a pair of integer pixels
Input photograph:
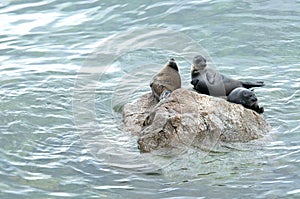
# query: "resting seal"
{"type": "Point", "coordinates": [209, 81]}
{"type": "Point", "coordinates": [166, 80]}
{"type": "Point", "coordinates": [245, 97]}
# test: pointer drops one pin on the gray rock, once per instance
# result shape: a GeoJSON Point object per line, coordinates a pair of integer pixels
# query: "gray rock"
{"type": "Point", "coordinates": [187, 118]}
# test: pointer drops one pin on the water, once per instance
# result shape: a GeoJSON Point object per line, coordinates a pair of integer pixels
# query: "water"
{"type": "Point", "coordinates": [68, 67]}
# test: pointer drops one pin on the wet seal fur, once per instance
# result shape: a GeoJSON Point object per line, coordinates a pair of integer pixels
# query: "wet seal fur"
{"type": "Point", "coordinates": [166, 80]}
{"type": "Point", "coordinates": [209, 81]}
{"type": "Point", "coordinates": [245, 97]}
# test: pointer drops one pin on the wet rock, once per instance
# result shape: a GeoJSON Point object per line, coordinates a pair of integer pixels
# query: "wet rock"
{"type": "Point", "coordinates": [188, 118]}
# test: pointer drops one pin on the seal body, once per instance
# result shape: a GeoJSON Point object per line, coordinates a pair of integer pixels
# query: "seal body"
{"type": "Point", "coordinates": [209, 81]}
{"type": "Point", "coordinates": [245, 97]}
{"type": "Point", "coordinates": [166, 80]}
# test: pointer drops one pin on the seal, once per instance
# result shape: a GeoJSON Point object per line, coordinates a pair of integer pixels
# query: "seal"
{"type": "Point", "coordinates": [209, 81]}
{"type": "Point", "coordinates": [166, 80]}
{"type": "Point", "coordinates": [245, 97]}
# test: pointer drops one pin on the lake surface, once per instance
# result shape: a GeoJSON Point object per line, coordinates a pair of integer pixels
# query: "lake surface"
{"type": "Point", "coordinates": [67, 68]}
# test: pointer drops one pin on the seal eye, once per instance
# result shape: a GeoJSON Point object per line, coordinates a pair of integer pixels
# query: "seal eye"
{"type": "Point", "coordinates": [245, 94]}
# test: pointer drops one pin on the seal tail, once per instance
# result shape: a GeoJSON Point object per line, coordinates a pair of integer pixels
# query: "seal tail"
{"type": "Point", "coordinates": [253, 84]}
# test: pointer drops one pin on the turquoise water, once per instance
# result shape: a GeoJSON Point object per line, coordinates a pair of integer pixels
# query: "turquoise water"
{"type": "Point", "coordinates": [68, 67]}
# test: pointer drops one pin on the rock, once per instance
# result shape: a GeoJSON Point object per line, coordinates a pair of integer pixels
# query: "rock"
{"type": "Point", "coordinates": [188, 118]}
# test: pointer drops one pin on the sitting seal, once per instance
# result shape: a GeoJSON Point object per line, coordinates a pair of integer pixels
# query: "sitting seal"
{"type": "Point", "coordinates": [166, 80]}
{"type": "Point", "coordinates": [245, 97]}
{"type": "Point", "coordinates": [209, 81]}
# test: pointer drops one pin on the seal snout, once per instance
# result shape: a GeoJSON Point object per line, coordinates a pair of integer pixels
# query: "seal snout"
{"type": "Point", "coordinates": [173, 64]}
{"type": "Point", "coordinates": [253, 98]}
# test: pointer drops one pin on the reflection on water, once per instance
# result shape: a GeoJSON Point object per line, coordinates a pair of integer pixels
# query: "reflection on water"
{"type": "Point", "coordinates": [67, 68]}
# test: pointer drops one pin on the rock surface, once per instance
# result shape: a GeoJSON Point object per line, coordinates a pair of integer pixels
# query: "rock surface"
{"type": "Point", "coordinates": [187, 118]}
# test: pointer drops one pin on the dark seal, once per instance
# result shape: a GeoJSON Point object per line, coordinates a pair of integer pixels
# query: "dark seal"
{"type": "Point", "coordinates": [166, 80]}
{"type": "Point", "coordinates": [209, 81]}
{"type": "Point", "coordinates": [245, 97]}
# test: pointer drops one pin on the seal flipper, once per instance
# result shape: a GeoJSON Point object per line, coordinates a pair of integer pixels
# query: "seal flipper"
{"type": "Point", "coordinates": [194, 82]}
{"type": "Point", "coordinates": [259, 110]}
{"type": "Point", "coordinates": [252, 84]}
{"type": "Point", "coordinates": [164, 94]}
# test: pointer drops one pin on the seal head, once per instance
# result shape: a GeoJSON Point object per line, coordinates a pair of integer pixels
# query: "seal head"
{"type": "Point", "coordinates": [245, 97]}
{"type": "Point", "coordinates": [166, 80]}
{"type": "Point", "coordinates": [199, 63]}
{"type": "Point", "coordinates": [173, 64]}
